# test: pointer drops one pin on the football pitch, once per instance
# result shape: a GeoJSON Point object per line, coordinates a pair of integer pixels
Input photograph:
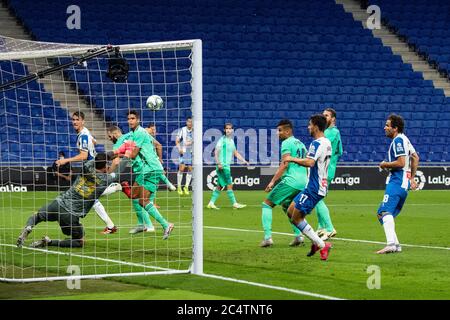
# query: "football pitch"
{"type": "Point", "coordinates": [231, 251]}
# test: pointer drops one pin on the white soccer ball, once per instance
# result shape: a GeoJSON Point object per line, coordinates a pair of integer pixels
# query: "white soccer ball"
{"type": "Point", "coordinates": [154, 102]}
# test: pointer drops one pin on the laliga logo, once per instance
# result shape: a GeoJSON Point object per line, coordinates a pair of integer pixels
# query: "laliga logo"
{"type": "Point", "coordinates": [420, 179]}
{"type": "Point", "coordinates": [211, 180]}
{"type": "Point", "coordinates": [13, 188]}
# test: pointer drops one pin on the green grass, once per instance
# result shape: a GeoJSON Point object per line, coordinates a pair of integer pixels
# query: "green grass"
{"type": "Point", "coordinates": [416, 273]}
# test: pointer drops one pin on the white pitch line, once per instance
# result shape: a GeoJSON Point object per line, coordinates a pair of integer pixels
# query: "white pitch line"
{"type": "Point", "coordinates": [342, 239]}
{"type": "Point", "coordinates": [300, 292]}
{"type": "Point", "coordinates": [369, 205]}
{"type": "Point", "coordinates": [88, 257]}
{"type": "Point", "coordinates": [262, 285]}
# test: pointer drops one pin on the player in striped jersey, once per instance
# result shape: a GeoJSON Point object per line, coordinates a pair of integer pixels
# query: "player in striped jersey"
{"type": "Point", "coordinates": [86, 146]}
{"type": "Point", "coordinates": [318, 159]}
{"type": "Point", "coordinates": [183, 142]}
{"type": "Point", "coordinates": [402, 166]}
{"type": "Point", "coordinates": [325, 228]}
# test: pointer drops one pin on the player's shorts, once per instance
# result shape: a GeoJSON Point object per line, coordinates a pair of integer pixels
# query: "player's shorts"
{"type": "Point", "coordinates": [149, 180]}
{"type": "Point", "coordinates": [306, 201]}
{"type": "Point", "coordinates": [224, 176]}
{"type": "Point", "coordinates": [393, 200]}
{"type": "Point", "coordinates": [186, 159]}
{"type": "Point", "coordinates": [69, 223]}
{"type": "Point", "coordinates": [282, 194]}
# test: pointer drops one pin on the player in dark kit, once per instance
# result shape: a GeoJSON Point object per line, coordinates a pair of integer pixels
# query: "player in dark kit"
{"type": "Point", "coordinates": [74, 204]}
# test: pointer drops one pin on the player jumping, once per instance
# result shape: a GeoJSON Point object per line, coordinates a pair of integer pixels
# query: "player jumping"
{"type": "Point", "coordinates": [148, 169]}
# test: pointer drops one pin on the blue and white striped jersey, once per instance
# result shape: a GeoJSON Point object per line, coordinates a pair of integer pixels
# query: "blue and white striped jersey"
{"type": "Point", "coordinates": [320, 151]}
{"type": "Point", "coordinates": [85, 142]}
{"type": "Point", "coordinates": [400, 146]}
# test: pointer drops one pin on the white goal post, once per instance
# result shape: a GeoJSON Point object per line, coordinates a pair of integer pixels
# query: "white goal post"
{"type": "Point", "coordinates": [35, 125]}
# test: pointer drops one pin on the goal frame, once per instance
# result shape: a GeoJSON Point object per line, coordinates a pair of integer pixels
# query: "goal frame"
{"type": "Point", "coordinates": [195, 46]}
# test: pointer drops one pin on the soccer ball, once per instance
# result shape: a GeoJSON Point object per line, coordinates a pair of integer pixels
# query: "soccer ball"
{"type": "Point", "coordinates": [154, 102]}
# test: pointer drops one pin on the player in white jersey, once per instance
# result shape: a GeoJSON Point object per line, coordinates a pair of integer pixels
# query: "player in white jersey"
{"type": "Point", "coordinates": [86, 146]}
{"type": "Point", "coordinates": [402, 166]}
{"type": "Point", "coordinates": [318, 159]}
{"type": "Point", "coordinates": [184, 144]}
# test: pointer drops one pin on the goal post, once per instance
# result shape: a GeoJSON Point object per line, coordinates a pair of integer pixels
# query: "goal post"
{"type": "Point", "coordinates": [36, 107]}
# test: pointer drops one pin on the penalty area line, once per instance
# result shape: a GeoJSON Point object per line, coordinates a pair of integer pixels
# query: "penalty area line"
{"type": "Point", "coordinates": [267, 286]}
{"type": "Point", "coordinates": [341, 239]}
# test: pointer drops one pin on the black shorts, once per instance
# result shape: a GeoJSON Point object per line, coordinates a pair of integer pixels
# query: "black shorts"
{"type": "Point", "coordinates": [69, 223]}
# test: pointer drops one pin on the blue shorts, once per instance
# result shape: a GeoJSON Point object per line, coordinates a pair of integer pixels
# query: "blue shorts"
{"type": "Point", "coordinates": [186, 159]}
{"type": "Point", "coordinates": [393, 200]}
{"type": "Point", "coordinates": [306, 201]}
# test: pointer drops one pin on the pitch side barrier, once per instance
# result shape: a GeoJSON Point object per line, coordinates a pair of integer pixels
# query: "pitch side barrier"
{"type": "Point", "coordinates": [348, 177]}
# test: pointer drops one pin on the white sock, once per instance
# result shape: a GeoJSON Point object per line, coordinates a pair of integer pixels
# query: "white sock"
{"type": "Point", "coordinates": [101, 212]}
{"type": "Point", "coordinates": [389, 229]}
{"type": "Point", "coordinates": [188, 179]}
{"type": "Point", "coordinates": [397, 243]}
{"type": "Point", "coordinates": [179, 178]}
{"type": "Point", "coordinates": [113, 187]}
{"type": "Point", "coordinates": [309, 232]}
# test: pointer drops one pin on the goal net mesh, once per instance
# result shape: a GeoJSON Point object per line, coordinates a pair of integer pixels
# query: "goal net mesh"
{"type": "Point", "coordinates": [35, 126]}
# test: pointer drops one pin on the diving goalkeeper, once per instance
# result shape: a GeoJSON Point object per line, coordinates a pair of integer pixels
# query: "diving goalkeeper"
{"type": "Point", "coordinates": [72, 205]}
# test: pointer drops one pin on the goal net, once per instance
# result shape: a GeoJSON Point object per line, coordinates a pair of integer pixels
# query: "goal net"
{"type": "Point", "coordinates": [41, 86]}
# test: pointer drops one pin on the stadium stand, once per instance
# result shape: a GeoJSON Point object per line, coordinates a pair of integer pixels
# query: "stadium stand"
{"type": "Point", "coordinates": [430, 38]}
{"type": "Point", "coordinates": [263, 60]}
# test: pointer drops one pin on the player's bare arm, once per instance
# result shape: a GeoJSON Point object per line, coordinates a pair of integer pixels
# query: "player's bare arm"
{"type": "Point", "coordinates": [159, 149]}
{"type": "Point", "coordinates": [398, 163]}
{"type": "Point", "coordinates": [82, 156]}
{"type": "Point", "coordinates": [216, 157]}
{"type": "Point", "coordinates": [240, 157]}
{"type": "Point", "coordinates": [304, 162]}
{"type": "Point", "coordinates": [177, 143]}
{"type": "Point", "coordinates": [414, 164]}
{"type": "Point", "coordinates": [280, 171]}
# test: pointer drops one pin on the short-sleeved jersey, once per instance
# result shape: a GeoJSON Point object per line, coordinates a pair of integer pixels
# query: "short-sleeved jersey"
{"type": "Point", "coordinates": [87, 188]}
{"type": "Point", "coordinates": [320, 151]}
{"type": "Point", "coordinates": [400, 146]}
{"type": "Point", "coordinates": [185, 137]}
{"type": "Point", "coordinates": [333, 134]}
{"type": "Point", "coordinates": [226, 148]}
{"type": "Point", "coordinates": [85, 142]}
{"type": "Point", "coordinates": [295, 175]}
{"type": "Point", "coordinates": [147, 159]}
